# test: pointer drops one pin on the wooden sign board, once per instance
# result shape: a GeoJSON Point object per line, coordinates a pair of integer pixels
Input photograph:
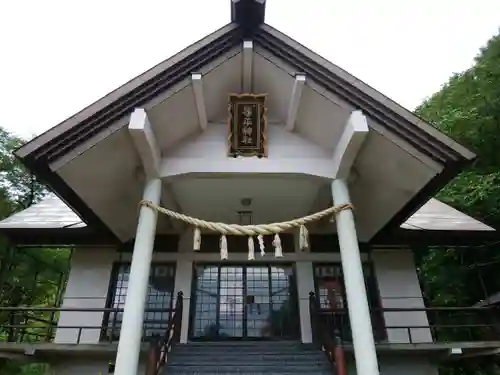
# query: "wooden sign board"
{"type": "Point", "coordinates": [247, 125]}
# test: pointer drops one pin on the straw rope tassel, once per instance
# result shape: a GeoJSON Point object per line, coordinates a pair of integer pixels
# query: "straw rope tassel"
{"type": "Point", "coordinates": [278, 251]}
{"type": "Point", "coordinates": [248, 230]}
{"type": "Point", "coordinates": [262, 248]}
{"type": "Point", "coordinates": [197, 239]}
{"type": "Point", "coordinates": [251, 249]}
{"type": "Point", "coordinates": [223, 248]}
{"type": "Point", "coordinates": [303, 238]}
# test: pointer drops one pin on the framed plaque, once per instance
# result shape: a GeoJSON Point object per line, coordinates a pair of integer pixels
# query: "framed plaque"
{"type": "Point", "coordinates": [247, 125]}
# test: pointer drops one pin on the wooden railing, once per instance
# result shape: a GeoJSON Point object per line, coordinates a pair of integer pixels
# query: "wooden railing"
{"type": "Point", "coordinates": [161, 346]}
{"type": "Point", "coordinates": [327, 340]}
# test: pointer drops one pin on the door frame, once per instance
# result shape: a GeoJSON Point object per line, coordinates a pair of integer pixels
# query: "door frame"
{"type": "Point", "coordinates": [244, 265]}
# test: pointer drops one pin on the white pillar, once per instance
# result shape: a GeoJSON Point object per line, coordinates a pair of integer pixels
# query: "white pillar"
{"type": "Point", "coordinates": [359, 312]}
{"type": "Point", "coordinates": [129, 346]}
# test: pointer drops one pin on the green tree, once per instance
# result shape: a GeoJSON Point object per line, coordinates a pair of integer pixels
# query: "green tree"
{"type": "Point", "coordinates": [468, 109]}
{"type": "Point", "coordinates": [27, 276]}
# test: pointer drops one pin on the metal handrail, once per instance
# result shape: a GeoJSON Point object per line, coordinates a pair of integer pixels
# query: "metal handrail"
{"type": "Point", "coordinates": [26, 323]}
{"type": "Point", "coordinates": [322, 336]}
{"type": "Point", "coordinates": [444, 324]}
{"type": "Point", "coordinates": [159, 348]}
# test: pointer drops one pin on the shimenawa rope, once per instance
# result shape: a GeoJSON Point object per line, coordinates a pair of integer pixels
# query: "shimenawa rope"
{"type": "Point", "coordinates": [258, 230]}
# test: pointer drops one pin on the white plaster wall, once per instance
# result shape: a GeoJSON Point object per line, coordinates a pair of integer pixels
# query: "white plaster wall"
{"type": "Point", "coordinates": [288, 153]}
{"type": "Point", "coordinates": [87, 287]}
{"type": "Point", "coordinates": [399, 288]}
{"type": "Point", "coordinates": [91, 271]}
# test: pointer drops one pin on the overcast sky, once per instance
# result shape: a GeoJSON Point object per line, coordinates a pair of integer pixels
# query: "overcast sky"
{"type": "Point", "coordinates": [59, 56]}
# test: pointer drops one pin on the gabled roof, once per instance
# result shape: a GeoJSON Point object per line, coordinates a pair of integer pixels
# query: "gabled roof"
{"type": "Point", "coordinates": [101, 118]}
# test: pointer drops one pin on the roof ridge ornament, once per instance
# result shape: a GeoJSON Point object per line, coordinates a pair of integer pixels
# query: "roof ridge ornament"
{"type": "Point", "coordinates": [249, 14]}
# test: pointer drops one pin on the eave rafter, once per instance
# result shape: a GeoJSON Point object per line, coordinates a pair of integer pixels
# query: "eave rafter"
{"type": "Point", "coordinates": [353, 136]}
{"type": "Point", "coordinates": [293, 106]}
{"type": "Point", "coordinates": [145, 142]}
{"type": "Point", "coordinates": [199, 96]}
{"type": "Point", "coordinates": [149, 152]}
{"type": "Point", "coordinates": [247, 66]}
{"type": "Point", "coordinates": [347, 149]}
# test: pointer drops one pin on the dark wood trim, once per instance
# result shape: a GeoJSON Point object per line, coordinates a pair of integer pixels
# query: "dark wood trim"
{"type": "Point", "coordinates": [29, 237]}
{"type": "Point", "coordinates": [318, 243]}
{"type": "Point", "coordinates": [411, 237]}
{"type": "Point", "coordinates": [164, 243]}
{"type": "Point", "coordinates": [57, 237]}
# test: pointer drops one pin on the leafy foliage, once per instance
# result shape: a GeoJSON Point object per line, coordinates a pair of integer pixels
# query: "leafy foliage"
{"type": "Point", "coordinates": [18, 187]}
{"type": "Point", "coordinates": [468, 109]}
{"type": "Point", "coordinates": [27, 276]}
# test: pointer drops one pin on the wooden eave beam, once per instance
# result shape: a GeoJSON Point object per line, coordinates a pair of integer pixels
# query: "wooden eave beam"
{"type": "Point", "coordinates": [293, 106]}
{"type": "Point", "coordinates": [355, 133]}
{"type": "Point", "coordinates": [147, 147]}
{"type": "Point", "coordinates": [247, 66]}
{"type": "Point", "coordinates": [199, 97]}
{"type": "Point", "coordinates": [145, 142]}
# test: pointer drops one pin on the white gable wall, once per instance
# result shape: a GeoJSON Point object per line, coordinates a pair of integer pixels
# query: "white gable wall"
{"type": "Point", "coordinates": [288, 152]}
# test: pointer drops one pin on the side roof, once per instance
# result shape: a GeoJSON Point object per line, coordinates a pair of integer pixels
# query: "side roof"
{"type": "Point", "coordinates": [247, 23]}
{"type": "Point", "coordinates": [52, 212]}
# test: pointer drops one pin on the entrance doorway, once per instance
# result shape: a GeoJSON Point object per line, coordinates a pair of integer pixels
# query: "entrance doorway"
{"type": "Point", "coordinates": [244, 302]}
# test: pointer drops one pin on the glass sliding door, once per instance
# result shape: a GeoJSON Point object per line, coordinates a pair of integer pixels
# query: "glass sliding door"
{"type": "Point", "coordinates": [231, 302]}
{"type": "Point", "coordinates": [239, 301]}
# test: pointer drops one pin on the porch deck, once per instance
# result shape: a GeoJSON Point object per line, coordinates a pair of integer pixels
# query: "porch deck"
{"type": "Point", "coordinates": [472, 331]}
{"type": "Point", "coordinates": [50, 351]}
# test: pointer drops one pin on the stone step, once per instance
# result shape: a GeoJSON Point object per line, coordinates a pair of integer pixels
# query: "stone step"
{"type": "Point", "coordinates": [247, 358]}
{"type": "Point", "coordinates": [252, 372]}
{"type": "Point", "coordinates": [238, 347]}
{"type": "Point", "coordinates": [251, 357]}
{"type": "Point", "coordinates": [237, 368]}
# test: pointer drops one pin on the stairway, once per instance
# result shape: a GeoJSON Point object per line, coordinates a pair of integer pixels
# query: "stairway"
{"type": "Point", "coordinates": [247, 358]}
